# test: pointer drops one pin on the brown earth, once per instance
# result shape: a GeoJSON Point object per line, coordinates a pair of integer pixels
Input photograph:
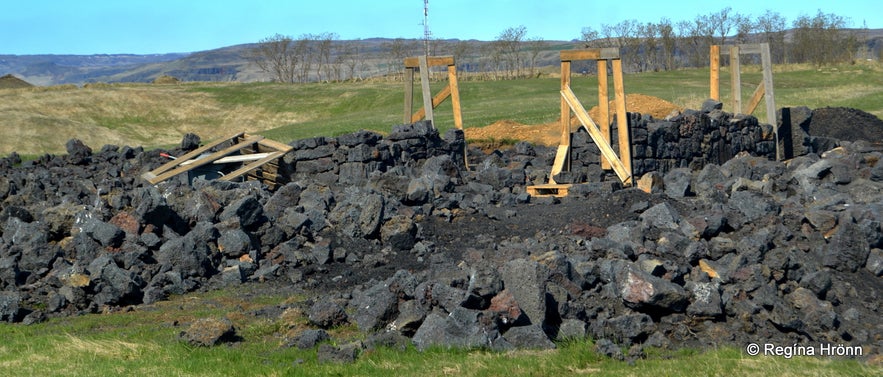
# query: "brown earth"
{"type": "Point", "coordinates": [12, 82]}
{"type": "Point", "coordinates": [549, 134]}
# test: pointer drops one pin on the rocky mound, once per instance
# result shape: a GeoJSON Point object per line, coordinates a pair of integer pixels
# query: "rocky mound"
{"type": "Point", "coordinates": [395, 235]}
{"type": "Point", "coordinates": [843, 123]}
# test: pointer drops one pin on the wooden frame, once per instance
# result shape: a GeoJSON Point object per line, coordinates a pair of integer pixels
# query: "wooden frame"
{"type": "Point", "coordinates": [763, 90]}
{"type": "Point", "coordinates": [600, 135]}
{"type": "Point", "coordinates": [430, 102]}
{"type": "Point", "coordinates": [257, 155]}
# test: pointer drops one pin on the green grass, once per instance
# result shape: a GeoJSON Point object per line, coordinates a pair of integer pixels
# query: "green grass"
{"type": "Point", "coordinates": [40, 120]}
{"type": "Point", "coordinates": [145, 342]}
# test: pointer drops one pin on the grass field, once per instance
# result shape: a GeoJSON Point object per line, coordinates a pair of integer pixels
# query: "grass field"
{"type": "Point", "coordinates": [41, 120]}
{"type": "Point", "coordinates": [144, 342]}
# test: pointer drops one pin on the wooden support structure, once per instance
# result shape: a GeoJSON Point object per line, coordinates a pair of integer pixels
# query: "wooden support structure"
{"type": "Point", "coordinates": [763, 90]}
{"type": "Point", "coordinates": [257, 159]}
{"type": "Point", "coordinates": [430, 102]}
{"type": "Point", "coordinates": [620, 164]}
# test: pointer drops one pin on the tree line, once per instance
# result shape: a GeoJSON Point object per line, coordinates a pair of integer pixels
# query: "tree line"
{"type": "Point", "coordinates": [820, 39]}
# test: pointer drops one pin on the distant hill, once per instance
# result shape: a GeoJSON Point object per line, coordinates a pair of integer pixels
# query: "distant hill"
{"type": "Point", "coordinates": [12, 82]}
{"type": "Point", "coordinates": [231, 63]}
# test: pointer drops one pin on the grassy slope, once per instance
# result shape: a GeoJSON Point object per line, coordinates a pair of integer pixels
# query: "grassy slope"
{"type": "Point", "coordinates": [41, 120]}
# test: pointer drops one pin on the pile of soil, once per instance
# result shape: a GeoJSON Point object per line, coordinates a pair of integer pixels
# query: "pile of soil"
{"type": "Point", "coordinates": [11, 82]}
{"type": "Point", "coordinates": [549, 134]}
{"type": "Point", "coordinates": [843, 123]}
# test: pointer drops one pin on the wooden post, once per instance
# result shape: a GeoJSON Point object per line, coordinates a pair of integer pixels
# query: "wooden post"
{"type": "Point", "coordinates": [622, 122]}
{"type": "Point", "coordinates": [455, 95]}
{"type": "Point", "coordinates": [604, 108]}
{"type": "Point", "coordinates": [409, 95]}
{"type": "Point", "coordinates": [766, 62]}
{"type": "Point", "coordinates": [715, 55]}
{"type": "Point", "coordinates": [735, 80]}
{"type": "Point", "coordinates": [427, 92]}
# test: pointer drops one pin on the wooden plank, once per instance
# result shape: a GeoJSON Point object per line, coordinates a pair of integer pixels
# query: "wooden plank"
{"type": "Point", "coordinates": [750, 48]}
{"type": "Point", "coordinates": [556, 190]}
{"type": "Point", "coordinates": [715, 65]}
{"type": "Point", "coordinates": [427, 92]}
{"type": "Point", "coordinates": [437, 100]}
{"type": "Point", "coordinates": [275, 145]}
{"type": "Point", "coordinates": [203, 161]}
{"type": "Point", "coordinates": [409, 95]}
{"type": "Point", "coordinates": [454, 88]}
{"type": "Point", "coordinates": [755, 99]}
{"type": "Point", "coordinates": [251, 166]}
{"type": "Point", "coordinates": [590, 54]}
{"type": "Point", "coordinates": [595, 133]}
{"type": "Point", "coordinates": [622, 122]}
{"type": "Point", "coordinates": [604, 108]}
{"type": "Point", "coordinates": [766, 62]}
{"type": "Point", "coordinates": [560, 160]}
{"type": "Point", "coordinates": [431, 61]}
{"type": "Point", "coordinates": [736, 79]}
{"type": "Point", "coordinates": [565, 109]}
{"type": "Point", "coordinates": [186, 157]}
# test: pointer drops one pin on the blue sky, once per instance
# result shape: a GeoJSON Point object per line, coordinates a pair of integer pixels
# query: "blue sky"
{"type": "Point", "coordinates": [161, 26]}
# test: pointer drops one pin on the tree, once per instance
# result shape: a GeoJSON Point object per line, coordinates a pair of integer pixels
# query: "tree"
{"type": "Point", "coordinates": [509, 45]}
{"type": "Point", "coordinates": [770, 28]}
{"type": "Point", "coordinates": [822, 40]}
{"type": "Point", "coordinates": [535, 46]}
{"type": "Point", "coordinates": [275, 56]}
{"type": "Point", "coordinates": [668, 43]}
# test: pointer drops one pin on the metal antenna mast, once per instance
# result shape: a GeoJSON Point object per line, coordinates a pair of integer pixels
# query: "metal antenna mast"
{"type": "Point", "coordinates": [426, 33]}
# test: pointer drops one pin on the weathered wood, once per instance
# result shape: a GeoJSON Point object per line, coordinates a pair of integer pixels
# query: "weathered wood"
{"type": "Point", "coordinates": [431, 61]}
{"type": "Point", "coordinates": [766, 62]}
{"type": "Point", "coordinates": [736, 79]}
{"type": "Point", "coordinates": [202, 161]}
{"type": "Point", "coordinates": [584, 118]}
{"type": "Point", "coordinates": [427, 92]}
{"type": "Point", "coordinates": [590, 54]}
{"type": "Point", "coordinates": [187, 156]}
{"type": "Point", "coordinates": [715, 56]}
{"type": "Point", "coordinates": [251, 166]}
{"type": "Point", "coordinates": [409, 95]}
{"type": "Point", "coordinates": [437, 100]}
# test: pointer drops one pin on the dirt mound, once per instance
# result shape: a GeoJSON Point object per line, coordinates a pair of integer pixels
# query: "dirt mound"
{"type": "Point", "coordinates": [550, 133]}
{"type": "Point", "coordinates": [11, 82]}
{"type": "Point", "coordinates": [848, 124]}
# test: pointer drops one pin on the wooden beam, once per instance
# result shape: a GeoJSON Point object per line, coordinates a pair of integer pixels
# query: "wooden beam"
{"type": "Point", "coordinates": [755, 99]}
{"type": "Point", "coordinates": [427, 92]}
{"type": "Point", "coordinates": [202, 161]}
{"type": "Point", "coordinates": [715, 66]}
{"type": "Point", "coordinates": [590, 54]}
{"type": "Point", "coordinates": [603, 107]}
{"type": "Point", "coordinates": [251, 166]}
{"type": "Point", "coordinates": [409, 95]}
{"type": "Point", "coordinates": [454, 88]}
{"type": "Point", "coordinates": [432, 61]}
{"type": "Point", "coordinates": [736, 79]}
{"type": "Point", "coordinates": [595, 133]}
{"type": "Point", "coordinates": [622, 122]}
{"type": "Point", "coordinates": [766, 62]}
{"type": "Point", "coordinates": [437, 100]}
{"type": "Point", "coordinates": [187, 156]}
